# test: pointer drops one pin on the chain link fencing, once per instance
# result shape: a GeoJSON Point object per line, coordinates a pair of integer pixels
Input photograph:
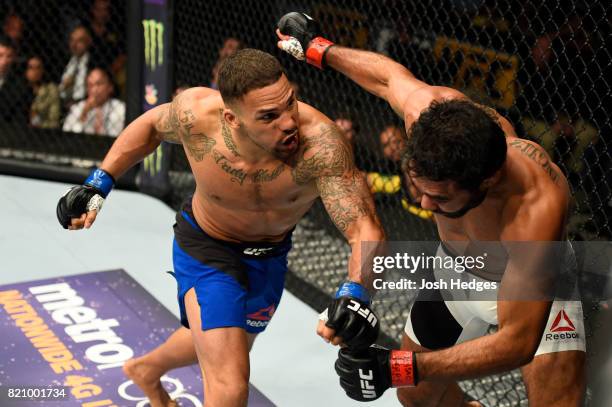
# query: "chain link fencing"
{"type": "Point", "coordinates": [545, 66]}
{"type": "Point", "coordinates": [542, 66]}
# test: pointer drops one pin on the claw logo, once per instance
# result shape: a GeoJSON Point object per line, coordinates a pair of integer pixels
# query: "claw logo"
{"type": "Point", "coordinates": [153, 43]}
{"type": "Point", "coordinates": [153, 162]}
{"type": "Point", "coordinates": [563, 328]}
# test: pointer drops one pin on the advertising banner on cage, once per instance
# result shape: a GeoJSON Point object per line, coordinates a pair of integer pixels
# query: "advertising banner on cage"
{"type": "Point", "coordinates": [153, 175]}
{"type": "Point", "coordinates": [157, 67]}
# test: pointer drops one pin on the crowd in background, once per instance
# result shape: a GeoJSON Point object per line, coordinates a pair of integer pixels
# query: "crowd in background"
{"type": "Point", "coordinates": [544, 66]}
{"type": "Point", "coordinates": [79, 89]}
{"type": "Point", "coordinates": [548, 75]}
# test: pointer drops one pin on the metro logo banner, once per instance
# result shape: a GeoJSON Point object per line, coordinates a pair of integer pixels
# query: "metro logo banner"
{"type": "Point", "coordinates": [76, 332]}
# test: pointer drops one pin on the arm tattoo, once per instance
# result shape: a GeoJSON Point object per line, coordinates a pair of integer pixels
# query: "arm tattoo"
{"type": "Point", "coordinates": [328, 158]}
{"type": "Point", "coordinates": [346, 198]}
{"type": "Point", "coordinates": [163, 125]}
{"type": "Point", "coordinates": [327, 153]}
{"type": "Point", "coordinates": [227, 136]}
{"type": "Point", "coordinates": [536, 154]}
{"type": "Point", "coordinates": [182, 120]}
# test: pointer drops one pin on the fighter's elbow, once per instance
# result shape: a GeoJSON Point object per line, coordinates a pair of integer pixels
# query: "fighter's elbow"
{"type": "Point", "coordinates": [524, 356]}
{"type": "Point", "coordinates": [520, 347]}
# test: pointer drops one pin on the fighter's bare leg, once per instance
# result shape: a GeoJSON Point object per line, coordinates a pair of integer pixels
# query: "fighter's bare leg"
{"type": "Point", "coordinates": [556, 379]}
{"type": "Point", "coordinates": [431, 394]}
{"type": "Point", "coordinates": [223, 353]}
{"type": "Point", "coordinates": [147, 370]}
{"type": "Point", "coordinates": [177, 351]}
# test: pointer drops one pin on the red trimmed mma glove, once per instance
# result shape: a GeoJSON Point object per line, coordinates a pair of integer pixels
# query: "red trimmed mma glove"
{"type": "Point", "coordinates": [365, 375]}
{"type": "Point", "coordinates": [306, 41]}
{"type": "Point", "coordinates": [84, 198]}
{"type": "Point", "coordinates": [349, 314]}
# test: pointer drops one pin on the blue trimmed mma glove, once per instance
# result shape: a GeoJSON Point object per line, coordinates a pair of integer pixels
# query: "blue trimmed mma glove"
{"type": "Point", "coordinates": [349, 314]}
{"type": "Point", "coordinates": [84, 198]}
{"type": "Point", "coordinates": [366, 374]}
{"type": "Point", "coordinates": [306, 41]}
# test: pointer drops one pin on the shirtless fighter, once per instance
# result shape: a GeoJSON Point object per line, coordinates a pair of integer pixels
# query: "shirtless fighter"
{"type": "Point", "coordinates": [484, 184]}
{"type": "Point", "coordinates": [260, 158]}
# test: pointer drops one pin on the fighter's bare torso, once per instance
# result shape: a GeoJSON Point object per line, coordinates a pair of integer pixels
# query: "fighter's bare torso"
{"type": "Point", "coordinates": [238, 200]}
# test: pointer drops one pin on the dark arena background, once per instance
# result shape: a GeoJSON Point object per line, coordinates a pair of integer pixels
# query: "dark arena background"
{"type": "Point", "coordinates": [544, 65]}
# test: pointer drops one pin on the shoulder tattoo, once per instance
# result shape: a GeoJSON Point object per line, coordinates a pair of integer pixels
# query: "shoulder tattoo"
{"type": "Point", "coordinates": [179, 122]}
{"type": "Point", "coordinates": [536, 154]}
{"type": "Point", "coordinates": [326, 153]}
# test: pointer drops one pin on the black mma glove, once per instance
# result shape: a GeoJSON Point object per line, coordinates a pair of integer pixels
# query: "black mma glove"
{"type": "Point", "coordinates": [306, 41]}
{"type": "Point", "coordinates": [349, 314]}
{"type": "Point", "coordinates": [84, 198]}
{"type": "Point", "coordinates": [365, 375]}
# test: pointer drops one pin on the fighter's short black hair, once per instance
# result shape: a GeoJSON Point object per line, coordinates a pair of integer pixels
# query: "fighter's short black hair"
{"type": "Point", "coordinates": [455, 140]}
{"type": "Point", "coordinates": [246, 70]}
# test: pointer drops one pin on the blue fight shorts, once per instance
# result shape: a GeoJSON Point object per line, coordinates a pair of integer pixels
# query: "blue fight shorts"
{"type": "Point", "coordinates": [236, 284]}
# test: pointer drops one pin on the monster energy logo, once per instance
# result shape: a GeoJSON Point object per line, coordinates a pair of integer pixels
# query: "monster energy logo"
{"type": "Point", "coordinates": [154, 43]}
{"type": "Point", "coordinates": [153, 162]}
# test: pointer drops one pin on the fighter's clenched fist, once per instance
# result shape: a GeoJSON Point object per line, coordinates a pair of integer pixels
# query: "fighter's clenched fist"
{"type": "Point", "coordinates": [300, 36]}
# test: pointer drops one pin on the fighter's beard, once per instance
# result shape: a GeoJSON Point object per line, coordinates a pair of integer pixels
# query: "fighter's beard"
{"type": "Point", "coordinates": [472, 203]}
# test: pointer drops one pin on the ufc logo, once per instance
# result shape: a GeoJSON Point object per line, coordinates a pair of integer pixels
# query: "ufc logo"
{"type": "Point", "coordinates": [254, 251]}
{"type": "Point", "coordinates": [367, 389]}
{"type": "Point", "coordinates": [364, 312]}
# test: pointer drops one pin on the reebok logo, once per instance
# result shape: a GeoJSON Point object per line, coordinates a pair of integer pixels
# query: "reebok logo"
{"type": "Point", "coordinates": [562, 323]}
{"type": "Point", "coordinates": [563, 328]}
{"type": "Point", "coordinates": [261, 318]}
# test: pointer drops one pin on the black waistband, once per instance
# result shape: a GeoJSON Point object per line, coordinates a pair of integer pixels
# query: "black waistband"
{"type": "Point", "coordinates": [186, 223]}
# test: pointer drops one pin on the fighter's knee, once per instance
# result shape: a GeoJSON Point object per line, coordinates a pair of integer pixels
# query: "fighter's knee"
{"type": "Point", "coordinates": [232, 390]}
{"type": "Point", "coordinates": [411, 397]}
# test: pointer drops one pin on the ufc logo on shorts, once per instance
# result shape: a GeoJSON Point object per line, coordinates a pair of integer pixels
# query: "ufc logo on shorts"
{"type": "Point", "coordinates": [257, 251]}
{"type": "Point", "coordinates": [364, 312]}
{"type": "Point", "coordinates": [367, 389]}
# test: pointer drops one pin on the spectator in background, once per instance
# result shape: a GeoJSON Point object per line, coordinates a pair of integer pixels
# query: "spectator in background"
{"type": "Point", "coordinates": [384, 178]}
{"type": "Point", "coordinates": [15, 97]}
{"type": "Point", "coordinates": [387, 179]}
{"type": "Point", "coordinates": [560, 95]}
{"type": "Point", "coordinates": [107, 41]}
{"type": "Point", "coordinates": [392, 141]}
{"type": "Point", "coordinates": [230, 46]}
{"type": "Point", "coordinates": [13, 28]}
{"type": "Point", "coordinates": [364, 160]}
{"type": "Point", "coordinates": [99, 113]}
{"type": "Point", "coordinates": [46, 109]}
{"type": "Point", "coordinates": [74, 78]}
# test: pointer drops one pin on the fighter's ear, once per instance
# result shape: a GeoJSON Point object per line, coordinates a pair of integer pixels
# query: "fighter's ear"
{"type": "Point", "coordinates": [230, 117]}
{"type": "Point", "coordinates": [492, 180]}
